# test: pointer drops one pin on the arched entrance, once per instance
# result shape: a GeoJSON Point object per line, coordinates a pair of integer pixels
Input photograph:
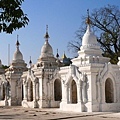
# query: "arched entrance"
{"type": "Point", "coordinates": [73, 92]}
{"type": "Point", "coordinates": [57, 90]}
{"type": "Point", "coordinates": [109, 91]}
{"type": "Point", "coordinates": [30, 91]}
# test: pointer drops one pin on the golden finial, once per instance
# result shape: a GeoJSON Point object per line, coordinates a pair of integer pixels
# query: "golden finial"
{"type": "Point", "coordinates": [64, 56]}
{"type": "Point", "coordinates": [46, 35]}
{"type": "Point", "coordinates": [88, 21]}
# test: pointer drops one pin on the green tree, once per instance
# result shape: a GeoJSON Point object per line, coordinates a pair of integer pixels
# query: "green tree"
{"type": "Point", "coordinates": [5, 66]}
{"type": "Point", "coordinates": [106, 23]}
{"type": "Point", "coordinates": [12, 16]}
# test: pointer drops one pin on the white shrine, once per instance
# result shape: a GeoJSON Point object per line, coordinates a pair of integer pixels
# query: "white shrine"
{"type": "Point", "coordinates": [90, 84]}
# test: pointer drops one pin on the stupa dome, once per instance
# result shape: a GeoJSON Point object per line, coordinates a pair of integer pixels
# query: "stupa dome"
{"type": "Point", "coordinates": [17, 55]}
{"type": "Point", "coordinates": [46, 50]}
{"type": "Point", "coordinates": [89, 39]}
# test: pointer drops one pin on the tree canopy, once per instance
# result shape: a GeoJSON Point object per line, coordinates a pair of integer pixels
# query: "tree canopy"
{"type": "Point", "coordinates": [106, 24]}
{"type": "Point", "coordinates": [12, 16]}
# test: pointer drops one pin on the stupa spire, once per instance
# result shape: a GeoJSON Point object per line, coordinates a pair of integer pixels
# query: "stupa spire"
{"type": "Point", "coordinates": [57, 55]}
{"type": "Point", "coordinates": [46, 35]}
{"type": "Point", "coordinates": [64, 56]}
{"type": "Point", "coordinates": [17, 54]}
{"type": "Point", "coordinates": [88, 21]}
{"type": "Point", "coordinates": [30, 62]}
{"type": "Point", "coordinates": [17, 43]}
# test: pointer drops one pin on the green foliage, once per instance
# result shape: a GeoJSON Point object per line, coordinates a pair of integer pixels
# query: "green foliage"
{"type": "Point", "coordinates": [12, 16]}
{"type": "Point", "coordinates": [5, 66]}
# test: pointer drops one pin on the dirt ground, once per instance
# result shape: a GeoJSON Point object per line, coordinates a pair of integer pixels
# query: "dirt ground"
{"type": "Point", "coordinates": [20, 113]}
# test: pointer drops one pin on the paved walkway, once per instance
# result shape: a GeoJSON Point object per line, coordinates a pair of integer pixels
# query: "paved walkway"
{"type": "Point", "coordinates": [20, 113]}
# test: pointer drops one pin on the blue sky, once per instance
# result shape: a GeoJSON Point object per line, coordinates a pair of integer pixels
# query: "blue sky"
{"type": "Point", "coordinates": [63, 18]}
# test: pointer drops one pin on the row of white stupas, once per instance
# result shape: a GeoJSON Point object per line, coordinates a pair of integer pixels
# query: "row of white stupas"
{"type": "Point", "coordinates": [90, 83]}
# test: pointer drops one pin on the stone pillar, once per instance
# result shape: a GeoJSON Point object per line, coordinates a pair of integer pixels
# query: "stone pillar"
{"type": "Point", "coordinates": [64, 93]}
{"type": "Point", "coordinates": [0, 93]}
{"type": "Point", "coordinates": [79, 96]}
{"type": "Point", "coordinates": [34, 91]}
{"type": "Point", "coordinates": [84, 92]}
{"type": "Point", "coordinates": [19, 94]}
{"type": "Point", "coordinates": [48, 94]}
{"type": "Point", "coordinates": [29, 91]}
{"type": "Point", "coordinates": [34, 95]}
{"type": "Point", "coordinates": [98, 92]}
{"type": "Point", "coordinates": [103, 92]}
{"type": "Point", "coordinates": [94, 80]}
{"type": "Point", "coordinates": [68, 94]}
{"type": "Point", "coordinates": [25, 91]}
{"type": "Point", "coordinates": [13, 93]}
{"type": "Point", "coordinates": [79, 92]}
{"type": "Point", "coordinates": [6, 95]}
{"type": "Point", "coordinates": [52, 92]}
{"type": "Point", "coordinates": [40, 90]}
{"type": "Point", "coordinates": [37, 91]}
